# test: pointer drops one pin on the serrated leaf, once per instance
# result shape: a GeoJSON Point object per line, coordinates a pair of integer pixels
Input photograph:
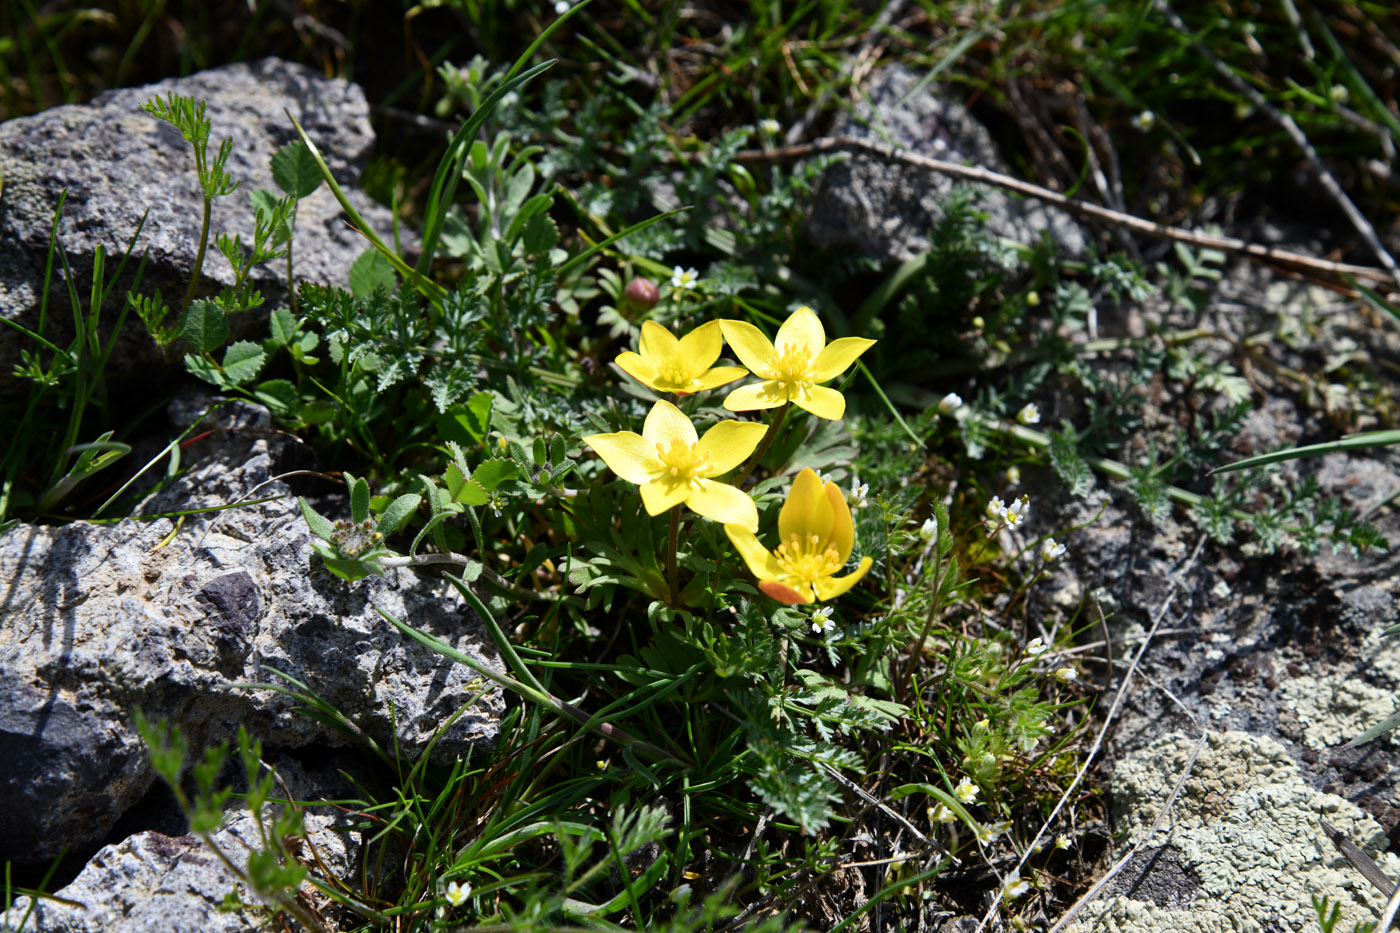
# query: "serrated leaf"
{"type": "Point", "coordinates": [243, 361]}
{"type": "Point", "coordinates": [398, 513]}
{"type": "Point", "coordinates": [471, 493]}
{"type": "Point", "coordinates": [454, 479]}
{"type": "Point", "coordinates": [492, 473]}
{"type": "Point", "coordinates": [277, 394]}
{"type": "Point", "coordinates": [204, 369]}
{"type": "Point", "coordinates": [294, 169]}
{"type": "Point", "coordinates": [282, 326]}
{"type": "Point", "coordinates": [1068, 464]}
{"type": "Point", "coordinates": [541, 234]}
{"type": "Point", "coordinates": [204, 326]}
{"type": "Point", "coordinates": [369, 271]}
{"type": "Point", "coordinates": [320, 526]}
{"type": "Point", "coordinates": [359, 498]}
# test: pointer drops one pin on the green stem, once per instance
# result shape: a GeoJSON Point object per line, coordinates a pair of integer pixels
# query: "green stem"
{"type": "Point", "coordinates": [199, 256]}
{"type": "Point", "coordinates": [672, 545]}
{"type": "Point", "coordinates": [762, 446]}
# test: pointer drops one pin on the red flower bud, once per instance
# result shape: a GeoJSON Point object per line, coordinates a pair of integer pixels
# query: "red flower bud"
{"type": "Point", "coordinates": [642, 294]}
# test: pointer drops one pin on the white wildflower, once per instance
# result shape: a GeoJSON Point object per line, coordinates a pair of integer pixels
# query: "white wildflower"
{"type": "Point", "coordinates": [1036, 647]}
{"type": "Point", "coordinates": [942, 814]}
{"type": "Point", "coordinates": [769, 126]}
{"type": "Point", "coordinates": [1013, 475]}
{"type": "Point", "coordinates": [561, 7]}
{"type": "Point", "coordinates": [1016, 512]}
{"type": "Point", "coordinates": [684, 278]}
{"type": "Point", "coordinates": [928, 530]}
{"type": "Point", "coordinates": [950, 403]}
{"type": "Point", "coordinates": [821, 620]}
{"type": "Point", "coordinates": [1051, 550]}
{"type": "Point", "coordinates": [859, 493]}
{"type": "Point", "coordinates": [1145, 121]}
{"type": "Point", "coordinates": [966, 791]}
{"type": "Point", "coordinates": [457, 894]}
{"type": "Point", "coordinates": [1066, 675]}
{"type": "Point", "coordinates": [1014, 885]}
{"type": "Point", "coordinates": [1029, 414]}
{"type": "Point", "coordinates": [1063, 842]}
{"type": "Point", "coordinates": [996, 509]}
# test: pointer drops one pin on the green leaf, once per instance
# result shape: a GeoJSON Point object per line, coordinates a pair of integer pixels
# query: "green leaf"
{"type": "Point", "coordinates": [277, 394]}
{"type": "Point", "coordinates": [295, 170]}
{"type": "Point", "coordinates": [471, 493]}
{"type": "Point", "coordinates": [1068, 464]}
{"type": "Point", "coordinates": [243, 361]}
{"type": "Point", "coordinates": [204, 326]}
{"type": "Point", "coordinates": [398, 513]}
{"type": "Point", "coordinates": [359, 498]}
{"type": "Point", "coordinates": [282, 326]}
{"type": "Point", "coordinates": [369, 271]}
{"type": "Point", "coordinates": [493, 473]}
{"type": "Point", "coordinates": [320, 526]}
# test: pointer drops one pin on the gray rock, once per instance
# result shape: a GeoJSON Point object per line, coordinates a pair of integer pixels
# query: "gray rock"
{"type": "Point", "coordinates": [887, 208]}
{"type": "Point", "coordinates": [99, 620]}
{"type": "Point", "coordinates": [116, 162]}
{"type": "Point", "coordinates": [173, 884]}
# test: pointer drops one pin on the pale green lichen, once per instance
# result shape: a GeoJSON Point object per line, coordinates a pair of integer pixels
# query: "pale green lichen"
{"type": "Point", "coordinates": [1247, 825]}
{"type": "Point", "coordinates": [1336, 708]}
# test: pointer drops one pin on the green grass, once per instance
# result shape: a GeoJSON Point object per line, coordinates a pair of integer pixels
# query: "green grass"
{"type": "Point", "coordinates": [681, 751]}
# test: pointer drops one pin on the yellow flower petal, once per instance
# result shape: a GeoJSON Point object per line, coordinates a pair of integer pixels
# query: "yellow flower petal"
{"type": "Point", "coordinates": [665, 424]}
{"type": "Point", "coordinates": [719, 376]}
{"type": "Point", "coordinates": [657, 342]}
{"type": "Point", "coordinates": [627, 454]}
{"type": "Point", "coordinates": [664, 493]}
{"type": "Point", "coordinates": [801, 329]}
{"type": "Point", "coordinates": [820, 401]}
{"type": "Point", "coordinates": [639, 369]}
{"type": "Point", "coordinates": [760, 560]}
{"type": "Point", "coordinates": [806, 511]}
{"type": "Point", "coordinates": [723, 503]}
{"type": "Point", "coordinates": [757, 396]}
{"type": "Point", "coordinates": [837, 358]}
{"type": "Point", "coordinates": [843, 530]}
{"type": "Point", "coordinates": [730, 443]}
{"type": "Point", "coordinates": [749, 345]}
{"type": "Point", "coordinates": [832, 587]}
{"type": "Point", "coordinates": [700, 348]}
{"type": "Point", "coordinates": [784, 593]}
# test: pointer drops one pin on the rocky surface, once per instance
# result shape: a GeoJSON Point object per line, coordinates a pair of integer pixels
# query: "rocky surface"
{"type": "Point", "coordinates": [97, 620]}
{"type": "Point", "coordinates": [116, 162]}
{"type": "Point", "coordinates": [886, 209]}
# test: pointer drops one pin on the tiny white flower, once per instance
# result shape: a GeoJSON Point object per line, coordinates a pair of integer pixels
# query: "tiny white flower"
{"type": "Point", "coordinates": [1145, 121]}
{"type": "Point", "coordinates": [561, 7]}
{"type": "Point", "coordinates": [1052, 551]}
{"type": "Point", "coordinates": [859, 492]}
{"type": "Point", "coordinates": [821, 620]}
{"type": "Point", "coordinates": [457, 894]}
{"type": "Point", "coordinates": [684, 278]}
{"type": "Point", "coordinates": [942, 814]}
{"type": "Point", "coordinates": [996, 509]}
{"type": "Point", "coordinates": [1017, 511]}
{"type": "Point", "coordinates": [1066, 675]}
{"type": "Point", "coordinates": [1013, 476]}
{"type": "Point", "coordinates": [1028, 743]}
{"type": "Point", "coordinates": [1036, 647]}
{"type": "Point", "coordinates": [928, 530]}
{"type": "Point", "coordinates": [950, 403]}
{"type": "Point", "coordinates": [995, 831]}
{"type": "Point", "coordinates": [1063, 842]}
{"type": "Point", "coordinates": [1014, 885]}
{"type": "Point", "coordinates": [966, 791]}
{"type": "Point", "coordinates": [770, 126]}
{"type": "Point", "coordinates": [681, 894]}
{"type": "Point", "coordinates": [1028, 414]}
{"type": "Point", "coordinates": [1339, 94]}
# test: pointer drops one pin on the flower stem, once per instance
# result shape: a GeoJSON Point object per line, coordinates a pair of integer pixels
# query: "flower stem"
{"type": "Point", "coordinates": [672, 572]}
{"type": "Point", "coordinates": [763, 446]}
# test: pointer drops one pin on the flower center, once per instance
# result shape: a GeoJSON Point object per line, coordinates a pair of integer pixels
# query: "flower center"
{"type": "Point", "coordinates": [805, 560]}
{"type": "Point", "coordinates": [791, 365]}
{"type": "Point", "coordinates": [673, 372]}
{"type": "Point", "coordinates": [682, 462]}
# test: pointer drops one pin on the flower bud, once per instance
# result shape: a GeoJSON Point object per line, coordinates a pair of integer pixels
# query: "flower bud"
{"type": "Point", "coordinates": [641, 294]}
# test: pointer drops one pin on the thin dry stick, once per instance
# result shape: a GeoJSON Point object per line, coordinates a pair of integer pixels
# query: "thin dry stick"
{"type": "Point", "coordinates": [984, 176]}
{"type": "Point", "coordinates": [1324, 178]}
{"type": "Point", "coordinates": [1109, 720]}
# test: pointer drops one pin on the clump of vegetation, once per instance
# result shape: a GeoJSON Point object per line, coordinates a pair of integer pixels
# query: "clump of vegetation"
{"type": "Point", "coordinates": [766, 591]}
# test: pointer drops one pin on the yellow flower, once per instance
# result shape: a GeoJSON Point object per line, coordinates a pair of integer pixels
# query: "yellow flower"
{"type": "Point", "coordinates": [681, 366]}
{"type": "Point", "coordinates": [815, 537]}
{"type": "Point", "coordinates": [674, 466]}
{"type": "Point", "coordinates": [792, 365]}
